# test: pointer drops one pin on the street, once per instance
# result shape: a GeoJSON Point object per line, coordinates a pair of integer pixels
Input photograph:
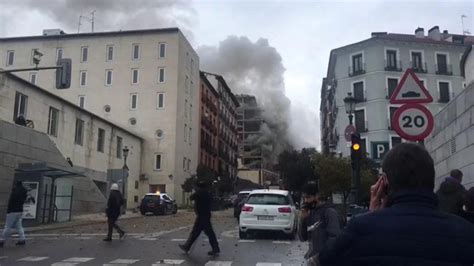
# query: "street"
{"type": "Point", "coordinates": [74, 246]}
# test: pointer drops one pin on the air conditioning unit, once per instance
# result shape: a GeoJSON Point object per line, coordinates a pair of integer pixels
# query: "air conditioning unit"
{"type": "Point", "coordinates": [143, 177]}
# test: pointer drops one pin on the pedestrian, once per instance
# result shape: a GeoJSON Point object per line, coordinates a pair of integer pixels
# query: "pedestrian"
{"type": "Point", "coordinates": [14, 214]}
{"type": "Point", "coordinates": [202, 206]}
{"type": "Point", "coordinates": [468, 212]}
{"type": "Point", "coordinates": [451, 193]}
{"type": "Point", "coordinates": [404, 226]}
{"type": "Point", "coordinates": [319, 223]}
{"type": "Point", "coordinates": [113, 210]}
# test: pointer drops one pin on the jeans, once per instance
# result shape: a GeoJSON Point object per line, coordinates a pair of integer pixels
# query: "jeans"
{"type": "Point", "coordinates": [13, 221]}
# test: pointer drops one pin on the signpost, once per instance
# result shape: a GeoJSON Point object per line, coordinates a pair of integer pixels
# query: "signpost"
{"type": "Point", "coordinates": [379, 149]}
{"type": "Point", "coordinates": [350, 129]}
{"type": "Point", "coordinates": [412, 121]}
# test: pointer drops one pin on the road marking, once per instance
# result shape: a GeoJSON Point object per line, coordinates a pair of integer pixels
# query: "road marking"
{"type": "Point", "coordinates": [178, 239]}
{"type": "Point", "coordinates": [268, 264]}
{"type": "Point", "coordinates": [247, 241]}
{"type": "Point", "coordinates": [64, 264]}
{"type": "Point", "coordinates": [168, 262]}
{"type": "Point", "coordinates": [33, 259]}
{"type": "Point", "coordinates": [83, 238]}
{"type": "Point", "coordinates": [218, 263]}
{"type": "Point", "coordinates": [170, 231]}
{"type": "Point", "coordinates": [123, 261]}
{"type": "Point", "coordinates": [281, 242]}
{"type": "Point", "coordinates": [69, 234]}
{"type": "Point", "coordinates": [51, 238]}
{"type": "Point", "coordinates": [78, 259]}
{"type": "Point", "coordinates": [230, 233]}
{"type": "Point", "coordinates": [218, 240]}
{"type": "Point", "coordinates": [3, 257]}
{"type": "Point", "coordinates": [148, 238]}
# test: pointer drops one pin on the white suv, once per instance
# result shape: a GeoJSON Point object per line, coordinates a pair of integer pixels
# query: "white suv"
{"type": "Point", "coordinates": [268, 209]}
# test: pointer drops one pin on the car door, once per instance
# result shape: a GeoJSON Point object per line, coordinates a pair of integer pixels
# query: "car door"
{"type": "Point", "coordinates": [168, 203]}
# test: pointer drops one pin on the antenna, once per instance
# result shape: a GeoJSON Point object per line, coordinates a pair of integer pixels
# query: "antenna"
{"type": "Point", "coordinates": [79, 24]}
{"type": "Point", "coordinates": [92, 20]}
{"type": "Point", "coordinates": [464, 31]}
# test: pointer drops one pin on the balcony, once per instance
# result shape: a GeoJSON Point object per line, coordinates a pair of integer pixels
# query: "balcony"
{"type": "Point", "coordinates": [393, 66]}
{"type": "Point", "coordinates": [355, 71]}
{"type": "Point", "coordinates": [444, 69]}
{"type": "Point", "coordinates": [419, 68]}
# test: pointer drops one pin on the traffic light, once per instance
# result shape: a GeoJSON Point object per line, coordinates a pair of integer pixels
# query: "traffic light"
{"type": "Point", "coordinates": [63, 73]}
{"type": "Point", "coordinates": [37, 57]}
{"type": "Point", "coordinates": [356, 147]}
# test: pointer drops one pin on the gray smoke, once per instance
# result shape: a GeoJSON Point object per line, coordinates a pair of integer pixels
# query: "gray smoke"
{"type": "Point", "coordinates": [254, 68]}
{"type": "Point", "coordinates": [115, 14]}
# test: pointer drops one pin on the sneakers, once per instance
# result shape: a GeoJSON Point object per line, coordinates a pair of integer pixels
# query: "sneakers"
{"type": "Point", "coordinates": [122, 235]}
{"type": "Point", "coordinates": [108, 239]}
{"type": "Point", "coordinates": [183, 248]}
{"type": "Point", "coordinates": [213, 253]}
{"type": "Point", "coordinates": [21, 243]}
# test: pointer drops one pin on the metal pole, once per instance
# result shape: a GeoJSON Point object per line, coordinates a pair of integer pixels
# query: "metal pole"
{"type": "Point", "coordinates": [350, 118]}
{"type": "Point", "coordinates": [70, 204]}
{"type": "Point", "coordinates": [45, 199]}
{"type": "Point", "coordinates": [28, 69]}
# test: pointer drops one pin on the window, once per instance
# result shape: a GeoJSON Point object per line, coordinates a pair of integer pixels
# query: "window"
{"type": "Point", "coordinates": [363, 145]}
{"type": "Point", "coordinates": [395, 141]}
{"type": "Point", "coordinates": [442, 66]}
{"type": "Point", "coordinates": [192, 66]}
{"type": "Point", "coordinates": [136, 186]}
{"type": "Point", "coordinates": [10, 57]}
{"type": "Point", "coordinates": [110, 53]}
{"type": "Point", "coordinates": [84, 53]}
{"type": "Point", "coordinates": [191, 89]}
{"type": "Point", "coordinates": [21, 102]}
{"type": "Point", "coordinates": [53, 121]}
{"type": "Point", "coordinates": [161, 74]}
{"type": "Point", "coordinates": [101, 140]}
{"type": "Point", "coordinates": [83, 78]}
{"type": "Point", "coordinates": [359, 91]}
{"type": "Point", "coordinates": [162, 53]}
{"type": "Point", "coordinates": [191, 112]}
{"type": "Point", "coordinates": [392, 111]}
{"type": "Point", "coordinates": [444, 96]}
{"type": "Point", "coordinates": [33, 78]}
{"type": "Point", "coordinates": [185, 108]}
{"type": "Point", "coordinates": [133, 101]}
{"type": "Point", "coordinates": [134, 76]}
{"type": "Point", "coordinates": [268, 199]}
{"type": "Point", "coordinates": [79, 135]}
{"type": "Point", "coordinates": [189, 164]}
{"type": "Point", "coordinates": [417, 62]}
{"type": "Point", "coordinates": [119, 147]}
{"type": "Point", "coordinates": [185, 131]}
{"type": "Point", "coordinates": [82, 100]}
{"type": "Point", "coordinates": [32, 56]}
{"type": "Point", "coordinates": [391, 63]}
{"type": "Point", "coordinates": [186, 84]}
{"type": "Point", "coordinates": [392, 84]}
{"type": "Point", "coordinates": [108, 77]}
{"type": "Point", "coordinates": [136, 52]}
{"type": "Point", "coordinates": [157, 162]}
{"type": "Point", "coordinates": [190, 135]}
{"type": "Point", "coordinates": [161, 100]}
{"type": "Point", "coordinates": [184, 163]}
{"type": "Point", "coordinates": [357, 65]}
{"type": "Point", "coordinates": [359, 116]}
{"type": "Point", "coordinates": [59, 54]}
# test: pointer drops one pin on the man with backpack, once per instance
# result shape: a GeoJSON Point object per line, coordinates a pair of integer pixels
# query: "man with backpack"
{"type": "Point", "coordinates": [319, 223]}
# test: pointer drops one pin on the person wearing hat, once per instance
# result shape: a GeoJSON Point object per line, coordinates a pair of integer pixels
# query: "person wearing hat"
{"type": "Point", "coordinates": [202, 206]}
{"type": "Point", "coordinates": [15, 214]}
{"type": "Point", "coordinates": [114, 205]}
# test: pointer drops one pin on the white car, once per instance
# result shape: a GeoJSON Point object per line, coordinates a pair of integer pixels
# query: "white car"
{"type": "Point", "coordinates": [268, 209]}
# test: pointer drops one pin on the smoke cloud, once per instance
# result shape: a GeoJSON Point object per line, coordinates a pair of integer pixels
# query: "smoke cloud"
{"type": "Point", "coordinates": [116, 14]}
{"type": "Point", "coordinates": [254, 68]}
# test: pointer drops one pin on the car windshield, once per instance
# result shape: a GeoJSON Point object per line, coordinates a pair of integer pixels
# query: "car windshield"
{"type": "Point", "coordinates": [268, 199]}
{"type": "Point", "coordinates": [150, 197]}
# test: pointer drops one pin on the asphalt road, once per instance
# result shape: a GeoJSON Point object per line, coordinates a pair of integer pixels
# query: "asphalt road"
{"type": "Point", "coordinates": [77, 247]}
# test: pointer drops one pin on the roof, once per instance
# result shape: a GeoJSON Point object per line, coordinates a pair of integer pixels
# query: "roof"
{"type": "Point", "coordinates": [270, 191]}
{"type": "Point", "coordinates": [463, 60]}
{"type": "Point", "coordinates": [75, 106]}
{"type": "Point", "coordinates": [91, 34]}
{"type": "Point", "coordinates": [208, 84]}
{"type": "Point", "coordinates": [222, 80]}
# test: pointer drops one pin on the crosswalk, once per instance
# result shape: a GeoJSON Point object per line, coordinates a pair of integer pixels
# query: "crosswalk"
{"type": "Point", "coordinates": [77, 261]}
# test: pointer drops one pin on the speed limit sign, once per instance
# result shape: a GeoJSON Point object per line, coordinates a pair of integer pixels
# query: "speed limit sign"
{"type": "Point", "coordinates": [413, 122]}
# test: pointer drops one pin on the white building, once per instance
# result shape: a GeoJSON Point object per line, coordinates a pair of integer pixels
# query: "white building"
{"type": "Point", "coordinates": [371, 70]}
{"type": "Point", "coordinates": [145, 80]}
{"type": "Point", "coordinates": [58, 129]}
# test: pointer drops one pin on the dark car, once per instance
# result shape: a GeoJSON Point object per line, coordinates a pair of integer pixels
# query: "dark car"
{"type": "Point", "coordinates": [158, 203]}
{"type": "Point", "coordinates": [239, 202]}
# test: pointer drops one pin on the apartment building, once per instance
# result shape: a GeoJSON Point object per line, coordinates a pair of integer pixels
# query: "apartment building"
{"type": "Point", "coordinates": [371, 69]}
{"type": "Point", "coordinates": [144, 80]}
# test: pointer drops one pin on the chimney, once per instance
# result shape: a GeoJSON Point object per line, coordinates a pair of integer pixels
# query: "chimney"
{"type": "Point", "coordinates": [420, 32]}
{"type": "Point", "coordinates": [445, 34]}
{"type": "Point", "coordinates": [434, 33]}
{"type": "Point", "coordinates": [376, 34]}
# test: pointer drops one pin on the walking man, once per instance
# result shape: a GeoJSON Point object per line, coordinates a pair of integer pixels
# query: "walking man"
{"type": "Point", "coordinates": [14, 214]}
{"type": "Point", "coordinates": [202, 206]}
{"type": "Point", "coordinates": [451, 193]}
{"type": "Point", "coordinates": [114, 204]}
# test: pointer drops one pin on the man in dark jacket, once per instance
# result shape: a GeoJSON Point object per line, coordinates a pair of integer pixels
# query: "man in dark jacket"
{"type": "Point", "coordinates": [451, 193]}
{"type": "Point", "coordinates": [468, 214]}
{"type": "Point", "coordinates": [405, 226]}
{"type": "Point", "coordinates": [114, 205]}
{"type": "Point", "coordinates": [202, 206]}
{"type": "Point", "coordinates": [14, 214]}
{"type": "Point", "coordinates": [319, 222]}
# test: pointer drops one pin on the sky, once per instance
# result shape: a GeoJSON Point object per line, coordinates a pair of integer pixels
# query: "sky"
{"type": "Point", "coordinates": [298, 34]}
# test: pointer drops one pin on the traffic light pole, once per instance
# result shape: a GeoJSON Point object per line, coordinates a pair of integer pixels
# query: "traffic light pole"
{"type": "Point", "coordinates": [354, 197]}
{"type": "Point", "coordinates": [28, 69]}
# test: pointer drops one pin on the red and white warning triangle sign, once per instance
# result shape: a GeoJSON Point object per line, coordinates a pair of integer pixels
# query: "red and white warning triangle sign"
{"type": "Point", "coordinates": [410, 90]}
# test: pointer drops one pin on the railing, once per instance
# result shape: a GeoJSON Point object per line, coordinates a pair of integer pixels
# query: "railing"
{"type": "Point", "coordinates": [357, 70]}
{"type": "Point", "coordinates": [393, 66]}
{"type": "Point", "coordinates": [444, 69]}
{"type": "Point", "coordinates": [423, 68]}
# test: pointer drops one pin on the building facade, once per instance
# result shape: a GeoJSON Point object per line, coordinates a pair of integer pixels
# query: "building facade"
{"type": "Point", "coordinates": [144, 80]}
{"type": "Point", "coordinates": [371, 69]}
{"type": "Point", "coordinates": [227, 135]}
{"type": "Point", "coordinates": [209, 131]}
{"type": "Point", "coordinates": [58, 130]}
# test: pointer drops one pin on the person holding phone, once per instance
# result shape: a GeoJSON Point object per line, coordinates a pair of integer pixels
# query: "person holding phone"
{"type": "Point", "coordinates": [404, 226]}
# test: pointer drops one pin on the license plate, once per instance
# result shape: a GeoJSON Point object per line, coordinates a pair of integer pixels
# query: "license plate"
{"type": "Point", "coordinates": [265, 218]}
{"type": "Point", "coordinates": [151, 205]}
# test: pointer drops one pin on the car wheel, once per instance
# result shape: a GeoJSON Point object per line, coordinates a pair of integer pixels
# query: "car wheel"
{"type": "Point", "coordinates": [143, 212]}
{"type": "Point", "coordinates": [175, 210]}
{"type": "Point", "coordinates": [243, 235]}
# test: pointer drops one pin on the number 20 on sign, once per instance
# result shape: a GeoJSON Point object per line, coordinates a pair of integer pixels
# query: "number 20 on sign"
{"type": "Point", "coordinates": [413, 122]}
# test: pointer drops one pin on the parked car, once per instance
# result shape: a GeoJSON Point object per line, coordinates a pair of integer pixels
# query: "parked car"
{"type": "Point", "coordinates": [268, 210]}
{"type": "Point", "coordinates": [158, 203]}
{"type": "Point", "coordinates": [239, 202]}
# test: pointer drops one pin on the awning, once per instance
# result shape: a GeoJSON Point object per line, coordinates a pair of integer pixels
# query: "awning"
{"type": "Point", "coordinates": [46, 170]}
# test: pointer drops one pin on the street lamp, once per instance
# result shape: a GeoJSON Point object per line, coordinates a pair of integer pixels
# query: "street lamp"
{"type": "Point", "coordinates": [349, 103]}
{"type": "Point", "coordinates": [124, 168]}
{"type": "Point", "coordinates": [125, 155]}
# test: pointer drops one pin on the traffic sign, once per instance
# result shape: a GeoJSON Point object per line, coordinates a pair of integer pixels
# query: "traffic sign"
{"type": "Point", "coordinates": [413, 122]}
{"type": "Point", "coordinates": [410, 90]}
{"type": "Point", "coordinates": [379, 149]}
{"type": "Point", "coordinates": [350, 129]}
